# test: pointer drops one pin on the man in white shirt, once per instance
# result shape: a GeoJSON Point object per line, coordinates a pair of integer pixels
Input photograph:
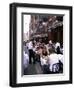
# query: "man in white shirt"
{"type": "Point", "coordinates": [53, 59]}
{"type": "Point", "coordinates": [60, 57]}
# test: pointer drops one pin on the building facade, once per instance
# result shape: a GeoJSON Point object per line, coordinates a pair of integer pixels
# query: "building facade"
{"type": "Point", "coordinates": [46, 27]}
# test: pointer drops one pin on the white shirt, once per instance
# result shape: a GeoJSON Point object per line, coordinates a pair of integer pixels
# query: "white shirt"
{"type": "Point", "coordinates": [53, 58]}
{"type": "Point", "coordinates": [30, 46]}
{"type": "Point", "coordinates": [60, 57]}
{"type": "Point", "coordinates": [43, 61]}
{"type": "Point", "coordinates": [57, 44]}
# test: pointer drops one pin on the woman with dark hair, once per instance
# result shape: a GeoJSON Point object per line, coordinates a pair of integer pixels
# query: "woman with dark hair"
{"type": "Point", "coordinates": [38, 54]}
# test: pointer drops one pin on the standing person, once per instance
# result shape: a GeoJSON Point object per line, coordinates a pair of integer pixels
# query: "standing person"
{"type": "Point", "coordinates": [31, 53]}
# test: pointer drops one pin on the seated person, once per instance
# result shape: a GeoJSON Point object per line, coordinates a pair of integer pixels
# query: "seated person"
{"type": "Point", "coordinates": [38, 53]}
{"type": "Point", "coordinates": [60, 57]}
{"type": "Point", "coordinates": [53, 60]}
{"type": "Point", "coordinates": [44, 61]}
{"type": "Point", "coordinates": [57, 48]}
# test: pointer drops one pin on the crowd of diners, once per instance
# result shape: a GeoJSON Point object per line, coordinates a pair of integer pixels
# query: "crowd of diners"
{"type": "Point", "coordinates": [49, 56]}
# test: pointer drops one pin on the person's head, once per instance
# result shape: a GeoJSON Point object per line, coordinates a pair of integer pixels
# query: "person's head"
{"type": "Point", "coordinates": [50, 42]}
{"type": "Point", "coordinates": [41, 47]}
{"type": "Point", "coordinates": [38, 48]}
{"type": "Point", "coordinates": [44, 53]}
{"type": "Point", "coordinates": [51, 50]}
